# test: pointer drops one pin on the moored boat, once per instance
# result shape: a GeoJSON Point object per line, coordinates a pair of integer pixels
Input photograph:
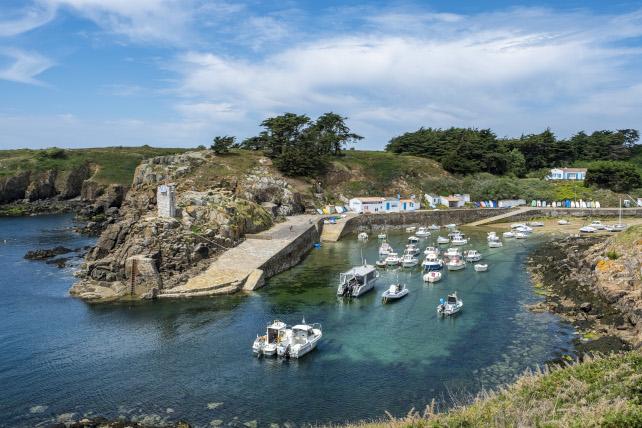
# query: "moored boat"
{"type": "Point", "coordinates": [410, 229]}
{"type": "Point", "coordinates": [385, 249]}
{"type": "Point", "coordinates": [521, 235]}
{"type": "Point", "coordinates": [431, 262]}
{"type": "Point", "coordinates": [430, 250]}
{"type": "Point", "coordinates": [508, 234]}
{"type": "Point", "coordinates": [276, 332]}
{"type": "Point", "coordinates": [588, 229]}
{"type": "Point", "coordinates": [409, 260]}
{"type": "Point", "coordinates": [481, 267]}
{"type": "Point", "coordinates": [459, 240]}
{"type": "Point", "coordinates": [473, 256]}
{"type": "Point", "coordinates": [393, 259]}
{"type": "Point", "coordinates": [422, 232]}
{"type": "Point", "coordinates": [357, 281]}
{"type": "Point", "coordinates": [413, 239]}
{"type": "Point", "coordinates": [394, 292]}
{"type": "Point", "coordinates": [432, 276]}
{"type": "Point", "coordinates": [456, 263]}
{"type": "Point", "coordinates": [450, 306]}
{"type": "Point", "coordinates": [363, 236]}
{"type": "Point", "coordinates": [302, 338]}
{"type": "Point", "coordinates": [562, 222]}
{"type": "Point", "coordinates": [434, 227]}
{"type": "Point", "coordinates": [442, 240]}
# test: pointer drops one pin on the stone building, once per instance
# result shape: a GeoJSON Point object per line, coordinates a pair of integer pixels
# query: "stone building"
{"type": "Point", "coordinates": [166, 200]}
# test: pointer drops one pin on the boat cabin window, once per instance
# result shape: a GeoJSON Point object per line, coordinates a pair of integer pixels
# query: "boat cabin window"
{"type": "Point", "coordinates": [452, 299]}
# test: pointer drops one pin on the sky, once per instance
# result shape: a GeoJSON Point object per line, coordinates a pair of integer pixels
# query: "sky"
{"type": "Point", "coordinates": [176, 73]}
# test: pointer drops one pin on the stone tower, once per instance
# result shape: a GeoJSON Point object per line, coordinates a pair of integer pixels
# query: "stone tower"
{"type": "Point", "coordinates": [166, 200]}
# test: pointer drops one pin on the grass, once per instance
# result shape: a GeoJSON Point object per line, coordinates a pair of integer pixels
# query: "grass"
{"type": "Point", "coordinates": [601, 391]}
{"type": "Point", "coordinates": [112, 164]}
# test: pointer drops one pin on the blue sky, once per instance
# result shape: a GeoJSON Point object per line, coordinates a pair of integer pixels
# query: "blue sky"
{"type": "Point", "coordinates": [80, 73]}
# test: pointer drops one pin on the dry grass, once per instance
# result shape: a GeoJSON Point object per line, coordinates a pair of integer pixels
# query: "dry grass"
{"type": "Point", "coordinates": [600, 391]}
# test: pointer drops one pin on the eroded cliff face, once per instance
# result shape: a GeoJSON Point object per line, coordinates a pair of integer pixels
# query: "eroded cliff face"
{"type": "Point", "coordinates": [141, 253]}
{"type": "Point", "coordinates": [34, 186]}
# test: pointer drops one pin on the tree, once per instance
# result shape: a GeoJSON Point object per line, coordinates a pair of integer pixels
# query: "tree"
{"type": "Point", "coordinates": [222, 145]}
{"type": "Point", "coordinates": [283, 131]}
{"type": "Point", "coordinates": [617, 176]}
{"type": "Point", "coordinates": [333, 134]}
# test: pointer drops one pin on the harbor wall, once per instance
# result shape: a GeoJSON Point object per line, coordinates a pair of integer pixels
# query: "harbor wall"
{"type": "Point", "coordinates": [595, 213]}
{"type": "Point", "coordinates": [370, 222]}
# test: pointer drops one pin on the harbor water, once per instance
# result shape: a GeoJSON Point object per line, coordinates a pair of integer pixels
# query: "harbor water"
{"type": "Point", "coordinates": [191, 359]}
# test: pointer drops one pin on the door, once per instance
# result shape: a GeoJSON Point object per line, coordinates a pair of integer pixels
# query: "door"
{"type": "Point", "coordinates": [404, 206]}
{"type": "Point", "coordinates": [387, 206]}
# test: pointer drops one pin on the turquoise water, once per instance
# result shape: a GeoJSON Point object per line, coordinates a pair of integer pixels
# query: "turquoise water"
{"type": "Point", "coordinates": [191, 360]}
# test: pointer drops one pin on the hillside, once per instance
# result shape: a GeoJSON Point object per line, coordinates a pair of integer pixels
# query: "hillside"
{"type": "Point", "coordinates": [605, 392]}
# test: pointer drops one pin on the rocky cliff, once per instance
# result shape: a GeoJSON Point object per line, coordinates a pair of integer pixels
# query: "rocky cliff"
{"type": "Point", "coordinates": [33, 186]}
{"type": "Point", "coordinates": [596, 283]}
{"type": "Point", "coordinates": [141, 253]}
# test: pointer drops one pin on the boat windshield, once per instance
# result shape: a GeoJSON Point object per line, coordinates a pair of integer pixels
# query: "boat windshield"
{"type": "Point", "coordinates": [452, 300]}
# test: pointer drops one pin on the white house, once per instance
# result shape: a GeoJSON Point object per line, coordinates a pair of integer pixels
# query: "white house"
{"type": "Point", "coordinates": [454, 201]}
{"type": "Point", "coordinates": [432, 200]}
{"type": "Point", "coordinates": [409, 204]}
{"type": "Point", "coordinates": [367, 204]}
{"type": "Point", "coordinates": [567, 174]}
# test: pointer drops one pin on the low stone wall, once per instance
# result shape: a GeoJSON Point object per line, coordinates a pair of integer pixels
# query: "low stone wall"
{"type": "Point", "coordinates": [294, 252]}
{"type": "Point", "coordinates": [574, 212]}
{"type": "Point", "coordinates": [369, 222]}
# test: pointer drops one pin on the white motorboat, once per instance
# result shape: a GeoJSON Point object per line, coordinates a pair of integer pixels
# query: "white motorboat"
{"type": "Point", "coordinates": [432, 276]}
{"type": "Point", "coordinates": [422, 232]}
{"type": "Point", "coordinates": [385, 249]}
{"type": "Point", "coordinates": [412, 249]}
{"type": "Point", "coordinates": [451, 226]}
{"type": "Point", "coordinates": [393, 259]}
{"type": "Point", "coordinates": [276, 332]}
{"type": "Point", "coordinates": [491, 236]}
{"type": "Point", "coordinates": [409, 260]}
{"type": "Point", "coordinates": [363, 236]}
{"type": "Point", "coordinates": [357, 281]}
{"type": "Point", "coordinates": [495, 244]}
{"type": "Point", "coordinates": [517, 225]}
{"type": "Point", "coordinates": [430, 250]}
{"type": "Point", "coordinates": [302, 338]}
{"type": "Point", "coordinates": [562, 222]}
{"type": "Point", "coordinates": [441, 240]}
{"type": "Point", "coordinates": [411, 229]}
{"type": "Point", "coordinates": [450, 306]}
{"type": "Point", "coordinates": [588, 229]}
{"type": "Point", "coordinates": [508, 235]}
{"type": "Point", "coordinates": [521, 235]}
{"type": "Point", "coordinates": [452, 252]}
{"type": "Point", "coordinates": [456, 263]}
{"type": "Point", "coordinates": [535, 224]}
{"type": "Point", "coordinates": [413, 239]}
{"type": "Point", "coordinates": [394, 292]}
{"type": "Point", "coordinates": [481, 267]}
{"type": "Point", "coordinates": [381, 262]}
{"type": "Point", "coordinates": [434, 227]}
{"type": "Point", "coordinates": [455, 232]}
{"type": "Point", "coordinates": [596, 224]}
{"type": "Point", "coordinates": [382, 236]}
{"type": "Point", "coordinates": [459, 240]}
{"type": "Point", "coordinates": [431, 262]}
{"type": "Point", "coordinates": [473, 256]}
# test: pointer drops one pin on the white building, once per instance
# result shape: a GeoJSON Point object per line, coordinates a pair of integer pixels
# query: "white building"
{"type": "Point", "coordinates": [567, 174]}
{"type": "Point", "coordinates": [454, 201]}
{"type": "Point", "coordinates": [409, 204]}
{"type": "Point", "coordinates": [373, 204]}
{"type": "Point", "coordinates": [432, 200]}
{"type": "Point", "coordinates": [166, 200]}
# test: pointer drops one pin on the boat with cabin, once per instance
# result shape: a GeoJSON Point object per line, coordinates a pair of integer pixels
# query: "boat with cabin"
{"type": "Point", "coordinates": [432, 262]}
{"type": "Point", "coordinates": [429, 250]}
{"type": "Point", "coordinates": [275, 333]}
{"type": "Point", "coordinates": [409, 260]}
{"type": "Point", "coordinates": [456, 263]}
{"type": "Point", "coordinates": [432, 276]}
{"type": "Point", "coordinates": [357, 281]}
{"type": "Point", "coordinates": [393, 259]}
{"type": "Point", "coordinates": [363, 236]}
{"type": "Point", "coordinates": [450, 306]}
{"type": "Point", "coordinates": [442, 240]}
{"type": "Point", "coordinates": [413, 239]}
{"type": "Point", "coordinates": [301, 339]}
{"type": "Point", "coordinates": [458, 240]}
{"type": "Point", "coordinates": [473, 256]}
{"type": "Point", "coordinates": [385, 249]}
{"type": "Point", "coordinates": [422, 232]}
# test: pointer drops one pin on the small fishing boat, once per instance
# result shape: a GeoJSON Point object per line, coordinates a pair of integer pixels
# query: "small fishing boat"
{"type": "Point", "coordinates": [562, 222]}
{"type": "Point", "coordinates": [432, 276]}
{"type": "Point", "coordinates": [394, 292]}
{"type": "Point", "coordinates": [452, 252]}
{"type": "Point", "coordinates": [385, 249]}
{"type": "Point", "coordinates": [508, 235]}
{"type": "Point", "coordinates": [481, 267]}
{"type": "Point", "coordinates": [413, 239]}
{"type": "Point", "coordinates": [411, 229]}
{"type": "Point", "coordinates": [409, 260]}
{"type": "Point", "coordinates": [473, 256]}
{"type": "Point", "coordinates": [535, 224]}
{"type": "Point", "coordinates": [451, 226]}
{"type": "Point", "coordinates": [455, 232]}
{"type": "Point", "coordinates": [596, 224]}
{"type": "Point", "coordinates": [276, 332]}
{"type": "Point", "coordinates": [434, 227]}
{"type": "Point", "coordinates": [431, 262]}
{"type": "Point", "coordinates": [442, 240]}
{"type": "Point", "coordinates": [456, 263]}
{"type": "Point", "coordinates": [450, 306]}
{"type": "Point", "coordinates": [412, 249]}
{"type": "Point", "coordinates": [363, 236]}
{"type": "Point", "coordinates": [393, 259]}
{"type": "Point", "coordinates": [495, 244]}
{"type": "Point", "coordinates": [302, 338]}
{"type": "Point", "coordinates": [517, 225]}
{"type": "Point", "coordinates": [521, 235]}
{"type": "Point", "coordinates": [381, 262]}
{"type": "Point", "coordinates": [588, 229]}
{"type": "Point", "coordinates": [382, 236]}
{"type": "Point", "coordinates": [459, 240]}
{"type": "Point", "coordinates": [422, 232]}
{"type": "Point", "coordinates": [430, 250]}
{"type": "Point", "coordinates": [357, 281]}
{"type": "Point", "coordinates": [491, 236]}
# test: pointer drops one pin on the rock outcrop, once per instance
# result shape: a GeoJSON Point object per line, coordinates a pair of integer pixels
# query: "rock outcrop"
{"type": "Point", "coordinates": [213, 214]}
{"type": "Point", "coordinates": [36, 186]}
{"type": "Point", "coordinates": [14, 187]}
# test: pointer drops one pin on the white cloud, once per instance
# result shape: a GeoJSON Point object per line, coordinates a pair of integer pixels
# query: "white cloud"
{"type": "Point", "coordinates": [23, 66]}
{"type": "Point", "coordinates": [530, 67]}
{"type": "Point", "coordinates": [18, 22]}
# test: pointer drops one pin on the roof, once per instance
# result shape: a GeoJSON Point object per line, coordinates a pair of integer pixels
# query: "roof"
{"type": "Point", "coordinates": [370, 198]}
{"type": "Point", "coordinates": [453, 198]}
{"type": "Point", "coordinates": [571, 169]}
{"type": "Point", "coordinates": [361, 270]}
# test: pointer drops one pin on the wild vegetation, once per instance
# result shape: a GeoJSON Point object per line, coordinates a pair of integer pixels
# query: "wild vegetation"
{"type": "Point", "coordinates": [598, 392]}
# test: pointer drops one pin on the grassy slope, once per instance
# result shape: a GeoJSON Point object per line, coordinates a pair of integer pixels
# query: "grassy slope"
{"type": "Point", "coordinates": [604, 392]}
{"type": "Point", "coordinates": [114, 164]}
